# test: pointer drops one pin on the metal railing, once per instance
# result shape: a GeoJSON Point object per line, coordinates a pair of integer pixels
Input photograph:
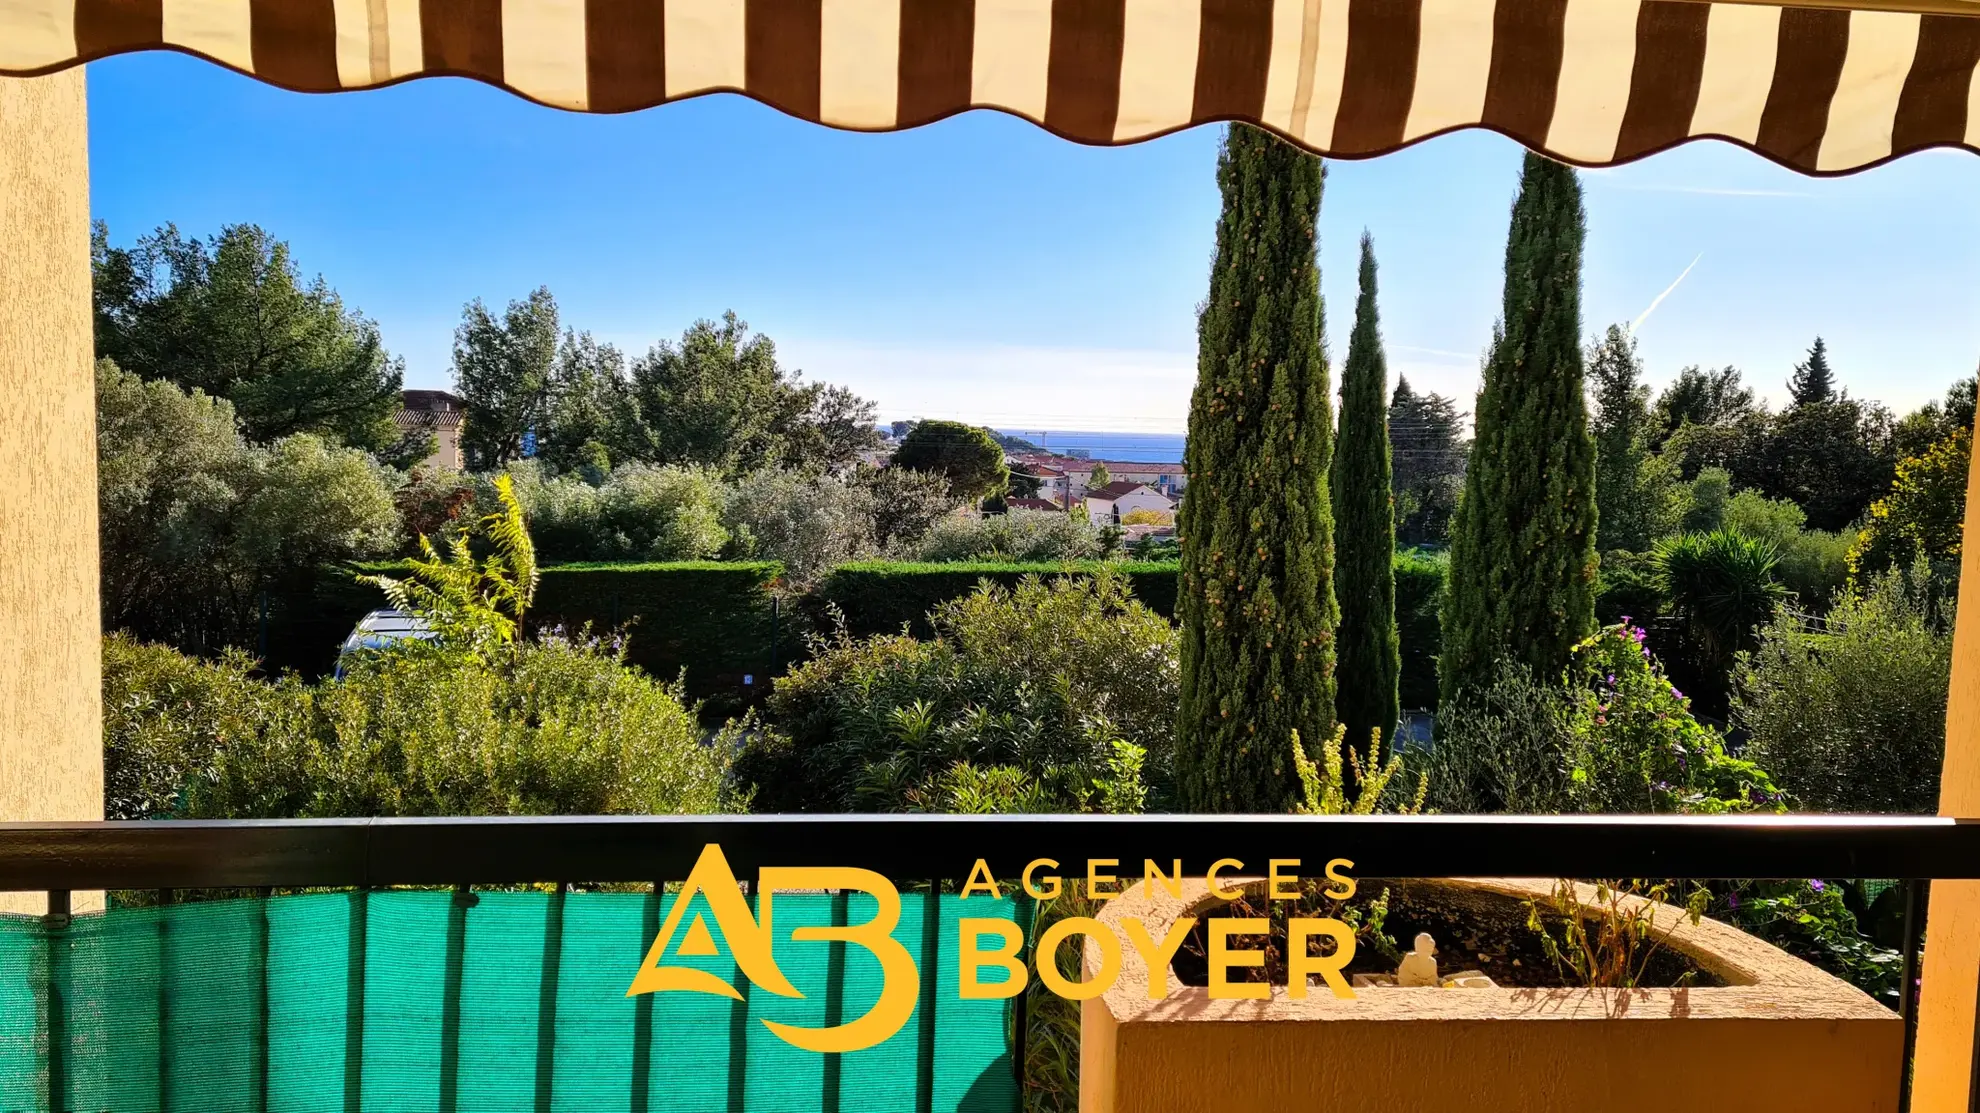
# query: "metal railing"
{"type": "Point", "coordinates": [60, 858]}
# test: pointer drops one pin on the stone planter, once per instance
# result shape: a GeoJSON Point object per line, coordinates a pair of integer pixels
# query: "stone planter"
{"type": "Point", "coordinates": [1780, 1035]}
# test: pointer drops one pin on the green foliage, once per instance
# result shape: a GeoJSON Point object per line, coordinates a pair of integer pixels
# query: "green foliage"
{"type": "Point", "coordinates": [1627, 498]}
{"type": "Point", "coordinates": [1368, 660]}
{"type": "Point", "coordinates": [807, 523]}
{"type": "Point", "coordinates": [195, 523]}
{"type": "Point", "coordinates": [1812, 920]}
{"type": "Point", "coordinates": [471, 603]}
{"type": "Point", "coordinates": [1924, 516]}
{"type": "Point", "coordinates": [1704, 399]}
{"type": "Point", "coordinates": [1705, 502]}
{"type": "Point", "coordinates": [967, 456]}
{"type": "Point", "coordinates": [1813, 382]}
{"type": "Point", "coordinates": [1625, 933]}
{"type": "Point", "coordinates": [1502, 746]}
{"type": "Point", "coordinates": [1851, 716]}
{"type": "Point", "coordinates": [1523, 544]}
{"type": "Point", "coordinates": [1611, 735]}
{"type": "Point", "coordinates": [1722, 585]}
{"type": "Point", "coordinates": [1018, 536]}
{"type": "Point", "coordinates": [882, 597]}
{"type": "Point", "coordinates": [502, 371]}
{"type": "Point", "coordinates": [636, 513]}
{"type": "Point", "coordinates": [906, 504]}
{"type": "Point", "coordinates": [166, 716]}
{"type": "Point", "coordinates": [1256, 594]}
{"type": "Point", "coordinates": [1833, 459]}
{"type": "Point", "coordinates": [1634, 746]}
{"type": "Point", "coordinates": [1045, 697]}
{"type": "Point", "coordinates": [553, 727]}
{"type": "Point", "coordinates": [231, 316]}
{"type": "Point", "coordinates": [1360, 785]}
{"type": "Point", "coordinates": [1419, 580]}
{"type": "Point", "coordinates": [1813, 563]}
{"type": "Point", "coordinates": [1427, 454]}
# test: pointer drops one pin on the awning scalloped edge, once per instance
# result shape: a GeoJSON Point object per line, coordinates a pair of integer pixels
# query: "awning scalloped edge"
{"type": "Point", "coordinates": [1591, 82]}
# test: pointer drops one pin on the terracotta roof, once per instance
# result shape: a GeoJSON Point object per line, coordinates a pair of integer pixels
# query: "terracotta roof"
{"type": "Point", "coordinates": [1032, 504]}
{"type": "Point", "coordinates": [1118, 488]}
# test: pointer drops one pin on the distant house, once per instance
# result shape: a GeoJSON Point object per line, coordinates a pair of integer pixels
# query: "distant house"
{"type": "Point", "coordinates": [1105, 505]}
{"type": "Point", "coordinates": [1052, 482]}
{"type": "Point", "coordinates": [1064, 477]}
{"type": "Point", "coordinates": [439, 413]}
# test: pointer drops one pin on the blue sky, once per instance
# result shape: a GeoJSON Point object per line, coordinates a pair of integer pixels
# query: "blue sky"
{"type": "Point", "coordinates": [980, 268]}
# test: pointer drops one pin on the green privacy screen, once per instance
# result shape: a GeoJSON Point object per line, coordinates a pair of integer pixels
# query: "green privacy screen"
{"type": "Point", "coordinates": [409, 1001]}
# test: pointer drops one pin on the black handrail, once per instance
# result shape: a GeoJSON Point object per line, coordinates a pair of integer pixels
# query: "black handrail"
{"type": "Point", "coordinates": [366, 853]}
{"type": "Point", "coordinates": [497, 851]}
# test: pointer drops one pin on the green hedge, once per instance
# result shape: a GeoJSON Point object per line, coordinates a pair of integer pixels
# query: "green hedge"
{"type": "Point", "coordinates": [1419, 595]}
{"type": "Point", "coordinates": [711, 618]}
{"type": "Point", "coordinates": [880, 597]}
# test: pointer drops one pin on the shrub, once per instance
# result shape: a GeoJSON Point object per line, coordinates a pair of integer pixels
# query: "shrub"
{"type": "Point", "coordinates": [1634, 745]}
{"type": "Point", "coordinates": [1067, 686]}
{"type": "Point", "coordinates": [1018, 535]}
{"type": "Point", "coordinates": [806, 523]}
{"type": "Point", "coordinates": [552, 727]}
{"type": "Point", "coordinates": [1502, 746]}
{"type": "Point", "coordinates": [640, 513]}
{"type": "Point", "coordinates": [1852, 716]}
{"type": "Point", "coordinates": [1612, 736]}
{"type": "Point", "coordinates": [199, 527]}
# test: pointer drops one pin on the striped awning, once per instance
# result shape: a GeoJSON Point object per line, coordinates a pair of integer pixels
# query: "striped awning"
{"type": "Point", "coordinates": [1824, 90]}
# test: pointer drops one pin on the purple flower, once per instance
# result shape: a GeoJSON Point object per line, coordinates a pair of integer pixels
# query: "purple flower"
{"type": "Point", "coordinates": [1612, 678]}
{"type": "Point", "coordinates": [1816, 884]}
{"type": "Point", "coordinates": [1676, 693]}
{"type": "Point", "coordinates": [1732, 900]}
{"type": "Point", "coordinates": [1625, 620]}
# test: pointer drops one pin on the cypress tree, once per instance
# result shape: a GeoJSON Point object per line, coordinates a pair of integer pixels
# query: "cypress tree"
{"type": "Point", "coordinates": [1522, 580]}
{"type": "Point", "coordinates": [1370, 662]}
{"type": "Point", "coordinates": [1256, 592]}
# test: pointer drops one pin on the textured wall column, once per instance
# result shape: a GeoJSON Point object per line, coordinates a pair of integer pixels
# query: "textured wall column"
{"type": "Point", "coordinates": [51, 734]}
{"type": "Point", "coordinates": [1951, 970]}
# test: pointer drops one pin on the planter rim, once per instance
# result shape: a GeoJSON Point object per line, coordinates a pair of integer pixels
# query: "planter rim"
{"type": "Point", "coordinates": [1762, 981]}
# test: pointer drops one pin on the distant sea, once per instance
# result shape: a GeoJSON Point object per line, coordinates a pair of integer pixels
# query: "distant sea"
{"type": "Point", "coordinates": [1151, 448]}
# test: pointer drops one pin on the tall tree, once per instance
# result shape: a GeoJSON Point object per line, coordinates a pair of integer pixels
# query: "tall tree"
{"type": "Point", "coordinates": [1256, 587]}
{"type": "Point", "coordinates": [1812, 381]}
{"type": "Point", "coordinates": [502, 371]}
{"type": "Point", "coordinates": [1367, 697]}
{"type": "Point", "coordinates": [963, 454]}
{"type": "Point", "coordinates": [588, 407]}
{"type": "Point", "coordinates": [1705, 398]}
{"type": "Point", "coordinates": [1626, 505]}
{"type": "Point", "coordinates": [233, 317]}
{"type": "Point", "coordinates": [1522, 582]}
{"type": "Point", "coordinates": [1427, 452]}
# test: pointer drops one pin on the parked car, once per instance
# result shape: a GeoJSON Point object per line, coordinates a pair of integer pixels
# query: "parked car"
{"type": "Point", "coordinates": [379, 629]}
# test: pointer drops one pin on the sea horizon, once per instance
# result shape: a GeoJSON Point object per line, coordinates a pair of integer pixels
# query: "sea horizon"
{"type": "Point", "coordinates": [1152, 448]}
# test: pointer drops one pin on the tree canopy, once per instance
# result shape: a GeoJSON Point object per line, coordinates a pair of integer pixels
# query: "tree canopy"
{"type": "Point", "coordinates": [964, 454]}
{"type": "Point", "coordinates": [232, 316]}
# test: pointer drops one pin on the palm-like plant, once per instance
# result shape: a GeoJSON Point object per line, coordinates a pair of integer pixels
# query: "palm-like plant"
{"type": "Point", "coordinates": [1722, 584]}
{"type": "Point", "coordinates": [468, 602]}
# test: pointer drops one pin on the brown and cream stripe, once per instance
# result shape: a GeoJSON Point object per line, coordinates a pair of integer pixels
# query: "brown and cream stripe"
{"type": "Point", "coordinates": [1822, 89]}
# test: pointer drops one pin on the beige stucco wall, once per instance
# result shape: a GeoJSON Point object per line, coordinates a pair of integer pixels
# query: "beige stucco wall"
{"type": "Point", "coordinates": [1951, 970]}
{"type": "Point", "coordinates": [51, 750]}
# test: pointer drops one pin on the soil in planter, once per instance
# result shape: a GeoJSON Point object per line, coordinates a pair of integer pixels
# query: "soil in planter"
{"type": "Point", "coordinates": [1474, 930]}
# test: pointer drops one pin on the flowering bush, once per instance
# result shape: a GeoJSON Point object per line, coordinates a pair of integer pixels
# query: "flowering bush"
{"type": "Point", "coordinates": [1635, 745]}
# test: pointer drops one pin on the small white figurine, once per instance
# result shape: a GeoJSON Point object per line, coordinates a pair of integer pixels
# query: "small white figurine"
{"type": "Point", "coordinates": [1419, 967]}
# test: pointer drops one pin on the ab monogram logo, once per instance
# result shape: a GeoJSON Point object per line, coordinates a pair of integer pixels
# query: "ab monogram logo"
{"type": "Point", "coordinates": [749, 938]}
